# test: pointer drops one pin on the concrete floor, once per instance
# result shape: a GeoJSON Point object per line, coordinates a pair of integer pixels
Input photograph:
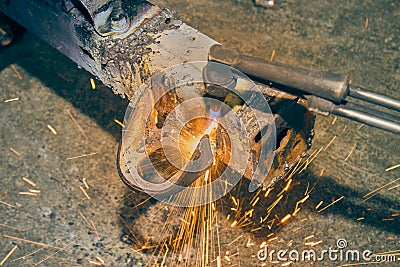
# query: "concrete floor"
{"type": "Point", "coordinates": [317, 34]}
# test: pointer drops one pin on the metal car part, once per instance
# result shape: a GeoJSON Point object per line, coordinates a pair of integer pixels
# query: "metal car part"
{"type": "Point", "coordinates": [124, 43]}
{"type": "Point", "coordinates": [122, 60]}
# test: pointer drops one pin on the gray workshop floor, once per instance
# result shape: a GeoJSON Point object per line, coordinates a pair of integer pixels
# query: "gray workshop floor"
{"type": "Point", "coordinates": [328, 35]}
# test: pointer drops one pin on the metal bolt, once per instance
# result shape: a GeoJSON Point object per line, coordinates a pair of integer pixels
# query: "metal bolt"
{"type": "Point", "coordinates": [119, 23]}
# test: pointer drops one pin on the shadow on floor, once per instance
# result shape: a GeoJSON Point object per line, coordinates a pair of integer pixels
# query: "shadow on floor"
{"type": "Point", "coordinates": [68, 81]}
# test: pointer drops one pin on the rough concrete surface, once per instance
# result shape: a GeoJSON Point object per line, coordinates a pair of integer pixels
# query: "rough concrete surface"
{"type": "Point", "coordinates": [357, 38]}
